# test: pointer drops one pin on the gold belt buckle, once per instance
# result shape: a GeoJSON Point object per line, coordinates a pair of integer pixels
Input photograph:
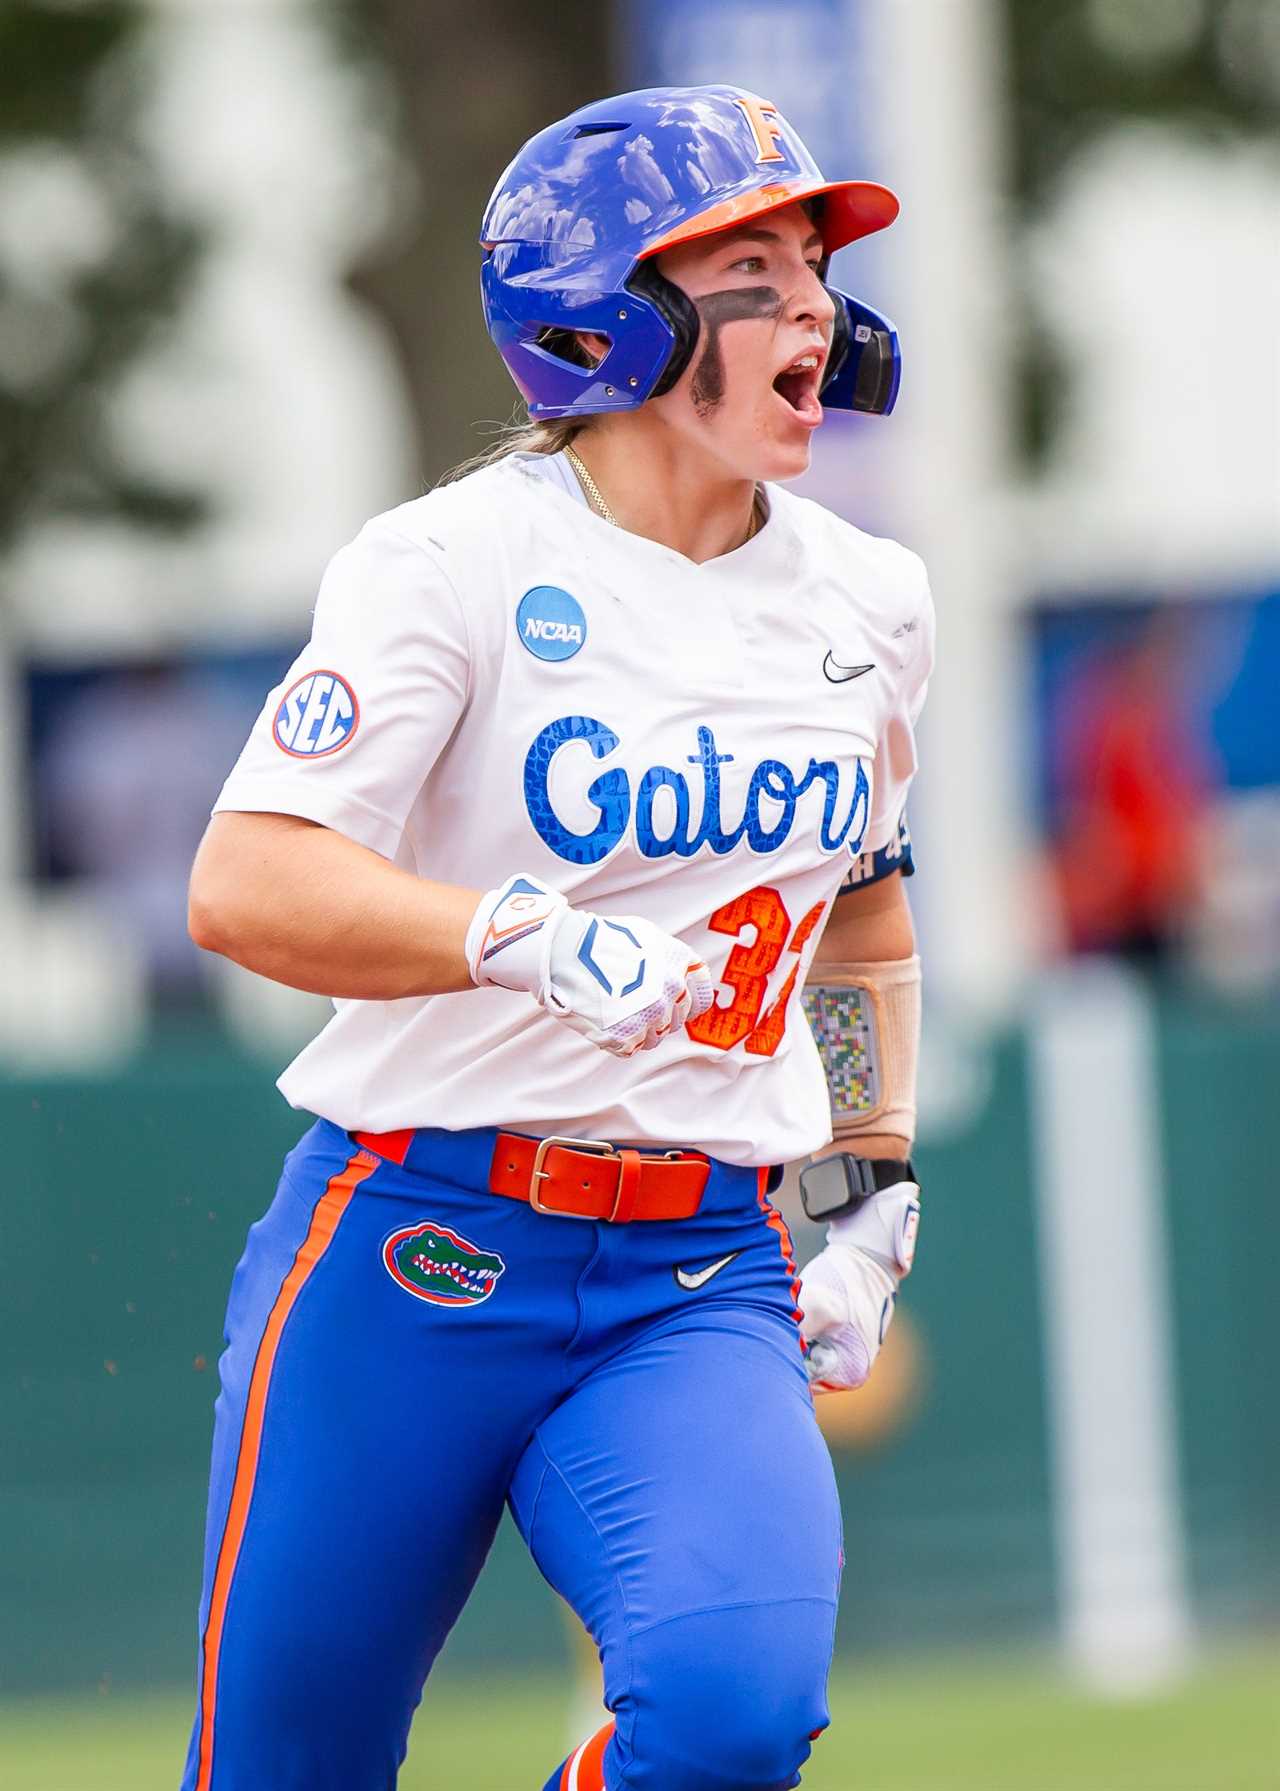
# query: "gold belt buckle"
{"type": "Point", "coordinates": [593, 1146]}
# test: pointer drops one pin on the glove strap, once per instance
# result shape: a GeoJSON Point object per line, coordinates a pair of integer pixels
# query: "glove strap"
{"type": "Point", "coordinates": [509, 938]}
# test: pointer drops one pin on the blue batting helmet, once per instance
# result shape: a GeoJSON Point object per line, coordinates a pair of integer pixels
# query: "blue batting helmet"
{"type": "Point", "coordinates": [573, 225]}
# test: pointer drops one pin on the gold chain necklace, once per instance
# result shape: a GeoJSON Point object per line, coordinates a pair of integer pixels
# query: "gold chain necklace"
{"type": "Point", "coordinates": [595, 497]}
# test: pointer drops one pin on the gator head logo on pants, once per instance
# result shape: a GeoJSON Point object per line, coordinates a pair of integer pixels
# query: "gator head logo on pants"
{"type": "Point", "coordinates": [437, 1265]}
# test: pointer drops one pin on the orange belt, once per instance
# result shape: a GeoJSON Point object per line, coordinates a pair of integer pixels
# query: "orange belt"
{"type": "Point", "coordinates": [584, 1178]}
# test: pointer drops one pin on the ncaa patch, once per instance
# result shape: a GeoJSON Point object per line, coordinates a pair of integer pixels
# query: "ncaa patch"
{"type": "Point", "coordinates": [551, 623]}
{"type": "Point", "coordinates": [318, 715]}
{"type": "Point", "coordinates": [438, 1265]}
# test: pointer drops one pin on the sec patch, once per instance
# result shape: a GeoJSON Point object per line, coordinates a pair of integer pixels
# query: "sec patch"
{"type": "Point", "coordinates": [318, 715]}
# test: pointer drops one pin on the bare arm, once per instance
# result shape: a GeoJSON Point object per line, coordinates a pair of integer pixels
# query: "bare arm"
{"type": "Point", "coordinates": [306, 906]}
{"type": "Point", "coordinates": [869, 926]}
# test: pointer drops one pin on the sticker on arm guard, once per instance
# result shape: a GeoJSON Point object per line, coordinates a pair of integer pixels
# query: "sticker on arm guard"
{"type": "Point", "coordinates": [844, 1027]}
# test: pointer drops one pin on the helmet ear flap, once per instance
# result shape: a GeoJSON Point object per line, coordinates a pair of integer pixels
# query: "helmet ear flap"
{"type": "Point", "coordinates": [865, 364]}
{"type": "Point", "coordinates": [679, 311]}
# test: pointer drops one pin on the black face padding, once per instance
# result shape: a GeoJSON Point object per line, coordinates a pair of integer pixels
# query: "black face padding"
{"type": "Point", "coordinates": [841, 334]}
{"type": "Point", "coordinates": [873, 380]}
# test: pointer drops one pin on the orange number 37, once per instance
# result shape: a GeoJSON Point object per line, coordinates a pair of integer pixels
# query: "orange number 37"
{"type": "Point", "coordinates": [748, 969]}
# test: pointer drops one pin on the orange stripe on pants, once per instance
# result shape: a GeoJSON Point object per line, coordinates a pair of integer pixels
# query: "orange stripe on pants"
{"type": "Point", "coordinates": [777, 1224]}
{"type": "Point", "coordinates": [324, 1222]}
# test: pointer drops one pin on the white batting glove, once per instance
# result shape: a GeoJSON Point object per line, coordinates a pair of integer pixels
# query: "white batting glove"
{"type": "Point", "coordinates": [848, 1291]}
{"type": "Point", "coordinates": [620, 981]}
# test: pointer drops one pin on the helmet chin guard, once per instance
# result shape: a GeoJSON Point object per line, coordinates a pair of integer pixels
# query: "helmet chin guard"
{"type": "Point", "coordinates": [572, 226]}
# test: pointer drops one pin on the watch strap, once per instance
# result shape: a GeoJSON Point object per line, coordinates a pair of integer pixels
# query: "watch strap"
{"type": "Point", "coordinates": [865, 1176]}
{"type": "Point", "coordinates": [872, 1175]}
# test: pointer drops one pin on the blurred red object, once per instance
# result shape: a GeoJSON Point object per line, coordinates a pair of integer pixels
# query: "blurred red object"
{"type": "Point", "coordinates": [1127, 858]}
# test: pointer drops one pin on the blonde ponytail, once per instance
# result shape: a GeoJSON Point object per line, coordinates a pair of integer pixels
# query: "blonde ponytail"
{"type": "Point", "coordinates": [548, 437]}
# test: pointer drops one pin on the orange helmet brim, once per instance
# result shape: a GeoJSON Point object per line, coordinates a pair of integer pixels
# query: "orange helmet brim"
{"type": "Point", "coordinates": [853, 208]}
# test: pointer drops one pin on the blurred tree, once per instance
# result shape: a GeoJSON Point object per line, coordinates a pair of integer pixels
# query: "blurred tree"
{"type": "Point", "coordinates": [92, 263]}
{"type": "Point", "coordinates": [1080, 68]}
{"type": "Point", "coordinates": [468, 84]}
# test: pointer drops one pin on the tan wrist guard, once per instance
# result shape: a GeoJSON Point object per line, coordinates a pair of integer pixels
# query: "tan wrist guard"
{"type": "Point", "coordinates": [865, 1020]}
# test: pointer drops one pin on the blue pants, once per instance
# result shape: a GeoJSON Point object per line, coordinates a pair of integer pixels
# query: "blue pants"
{"type": "Point", "coordinates": [405, 1353]}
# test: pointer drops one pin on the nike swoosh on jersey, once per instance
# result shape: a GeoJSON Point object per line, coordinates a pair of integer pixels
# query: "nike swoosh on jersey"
{"type": "Point", "coordinates": [841, 674]}
{"type": "Point", "coordinates": [693, 1279]}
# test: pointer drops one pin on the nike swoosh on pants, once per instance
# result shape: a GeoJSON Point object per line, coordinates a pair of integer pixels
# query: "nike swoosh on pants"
{"type": "Point", "coordinates": [696, 1278]}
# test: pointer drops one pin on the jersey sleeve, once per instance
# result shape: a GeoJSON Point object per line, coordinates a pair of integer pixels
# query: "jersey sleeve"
{"type": "Point", "coordinates": [348, 737]}
{"type": "Point", "coordinates": [886, 845]}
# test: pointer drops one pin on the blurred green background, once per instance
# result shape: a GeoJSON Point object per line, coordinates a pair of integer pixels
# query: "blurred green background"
{"type": "Point", "coordinates": [1000, 1726]}
{"type": "Point", "coordinates": [128, 1202]}
{"type": "Point", "coordinates": [238, 314]}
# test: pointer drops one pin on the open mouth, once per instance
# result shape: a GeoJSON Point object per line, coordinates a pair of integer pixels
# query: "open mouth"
{"type": "Point", "coordinates": [798, 385]}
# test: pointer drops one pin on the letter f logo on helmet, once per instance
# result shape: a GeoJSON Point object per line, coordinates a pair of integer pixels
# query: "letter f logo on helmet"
{"type": "Point", "coordinates": [766, 126]}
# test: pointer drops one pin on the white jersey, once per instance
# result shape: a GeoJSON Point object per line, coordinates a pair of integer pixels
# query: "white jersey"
{"type": "Point", "coordinates": [499, 680]}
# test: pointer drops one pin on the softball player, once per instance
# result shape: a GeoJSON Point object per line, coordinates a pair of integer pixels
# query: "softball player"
{"type": "Point", "coordinates": [594, 756]}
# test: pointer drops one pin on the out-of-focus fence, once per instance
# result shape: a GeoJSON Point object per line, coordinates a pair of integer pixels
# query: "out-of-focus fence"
{"type": "Point", "coordinates": [127, 1201]}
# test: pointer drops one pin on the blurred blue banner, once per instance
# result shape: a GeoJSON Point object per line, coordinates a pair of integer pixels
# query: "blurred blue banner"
{"type": "Point", "coordinates": [807, 57]}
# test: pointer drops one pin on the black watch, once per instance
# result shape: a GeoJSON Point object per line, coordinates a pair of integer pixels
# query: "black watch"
{"type": "Point", "coordinates": [841, 1184]}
